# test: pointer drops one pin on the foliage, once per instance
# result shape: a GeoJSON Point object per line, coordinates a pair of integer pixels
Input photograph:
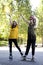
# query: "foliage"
{"type": "Point", "coordinates": [15, 8]}
{"type": "Point", "coordinates": [39, 13]}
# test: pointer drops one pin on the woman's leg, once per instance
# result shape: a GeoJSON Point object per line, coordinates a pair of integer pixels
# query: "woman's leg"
{"type": "Point", "coordinates": [28, 47]}
{"type": "Point", "coordinates": [10, 46]}
{"type": "Point", "coordinates": [33, 47]}
{"type": "Point", "coordinates": [15, 42]}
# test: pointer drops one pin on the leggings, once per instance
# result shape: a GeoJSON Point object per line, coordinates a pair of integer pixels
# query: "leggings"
{"type": "Point", "coordinates": [10, 45]}
{"type": "Point", "coordinates": [29, 43]}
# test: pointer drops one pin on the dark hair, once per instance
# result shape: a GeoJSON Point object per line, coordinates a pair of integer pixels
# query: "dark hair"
{"type": "Point", "coordinates": [31, 17]}
{"type": "Point", "coordinates": [14, 24]}
{"type": "Point", "coordinates": [34, 20]}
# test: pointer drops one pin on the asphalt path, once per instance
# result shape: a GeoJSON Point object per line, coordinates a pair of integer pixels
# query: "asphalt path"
{"type": "Point", "coordinates": [17, 59]}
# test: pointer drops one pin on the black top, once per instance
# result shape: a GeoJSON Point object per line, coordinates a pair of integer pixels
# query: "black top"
{"type": "Point", "coordinates": [31, 32]}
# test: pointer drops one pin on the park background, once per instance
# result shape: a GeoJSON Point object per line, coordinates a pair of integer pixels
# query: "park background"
{"type": "Point", "coordinates": [15, 8]}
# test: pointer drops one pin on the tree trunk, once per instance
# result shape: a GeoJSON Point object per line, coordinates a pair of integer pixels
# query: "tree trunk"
{"type": "Point", "coordinates": [42, 41]}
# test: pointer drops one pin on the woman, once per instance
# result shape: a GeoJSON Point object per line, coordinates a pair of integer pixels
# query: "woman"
{"type": "Point", "coordinates": [13, 37]}
{"type": "Point", "coordinates": [31, 39]}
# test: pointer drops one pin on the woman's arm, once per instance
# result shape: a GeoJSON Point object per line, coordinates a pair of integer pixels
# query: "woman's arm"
{"type": "Point", "coordinates": [10, 20]}
{"type": "Point", "coordinates": [25, 19]}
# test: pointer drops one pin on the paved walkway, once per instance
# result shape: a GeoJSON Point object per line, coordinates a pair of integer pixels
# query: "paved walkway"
{"type": "Point", "coordinates": [17, 59]}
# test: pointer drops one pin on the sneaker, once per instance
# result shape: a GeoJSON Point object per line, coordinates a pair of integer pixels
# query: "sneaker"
{"type": "Point", "coordinates": [21, 53]}
{"type": "Point", "coordinates": [32, 58]}
{"type": "Point", "coordinates": [10, 56]}
{"type": "Point", "coordinates": [24, 57]}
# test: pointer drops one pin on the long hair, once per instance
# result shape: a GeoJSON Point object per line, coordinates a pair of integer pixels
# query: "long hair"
{"type": "Point", "coordinates": [14, 24]}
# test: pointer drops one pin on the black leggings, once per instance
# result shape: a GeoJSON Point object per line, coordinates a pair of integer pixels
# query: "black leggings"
{"type": "Point", "coordinates": [29, 43]}
{"type": "Point", "coordinates": [10, 45]}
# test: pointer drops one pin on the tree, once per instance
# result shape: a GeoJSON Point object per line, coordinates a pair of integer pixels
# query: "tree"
{"type": "Point", "coordinates": [25, 9]}
{"type": "Point", "coordinates": [15, 8]}
{"type": "Point", "coordinates": [39, 13]}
